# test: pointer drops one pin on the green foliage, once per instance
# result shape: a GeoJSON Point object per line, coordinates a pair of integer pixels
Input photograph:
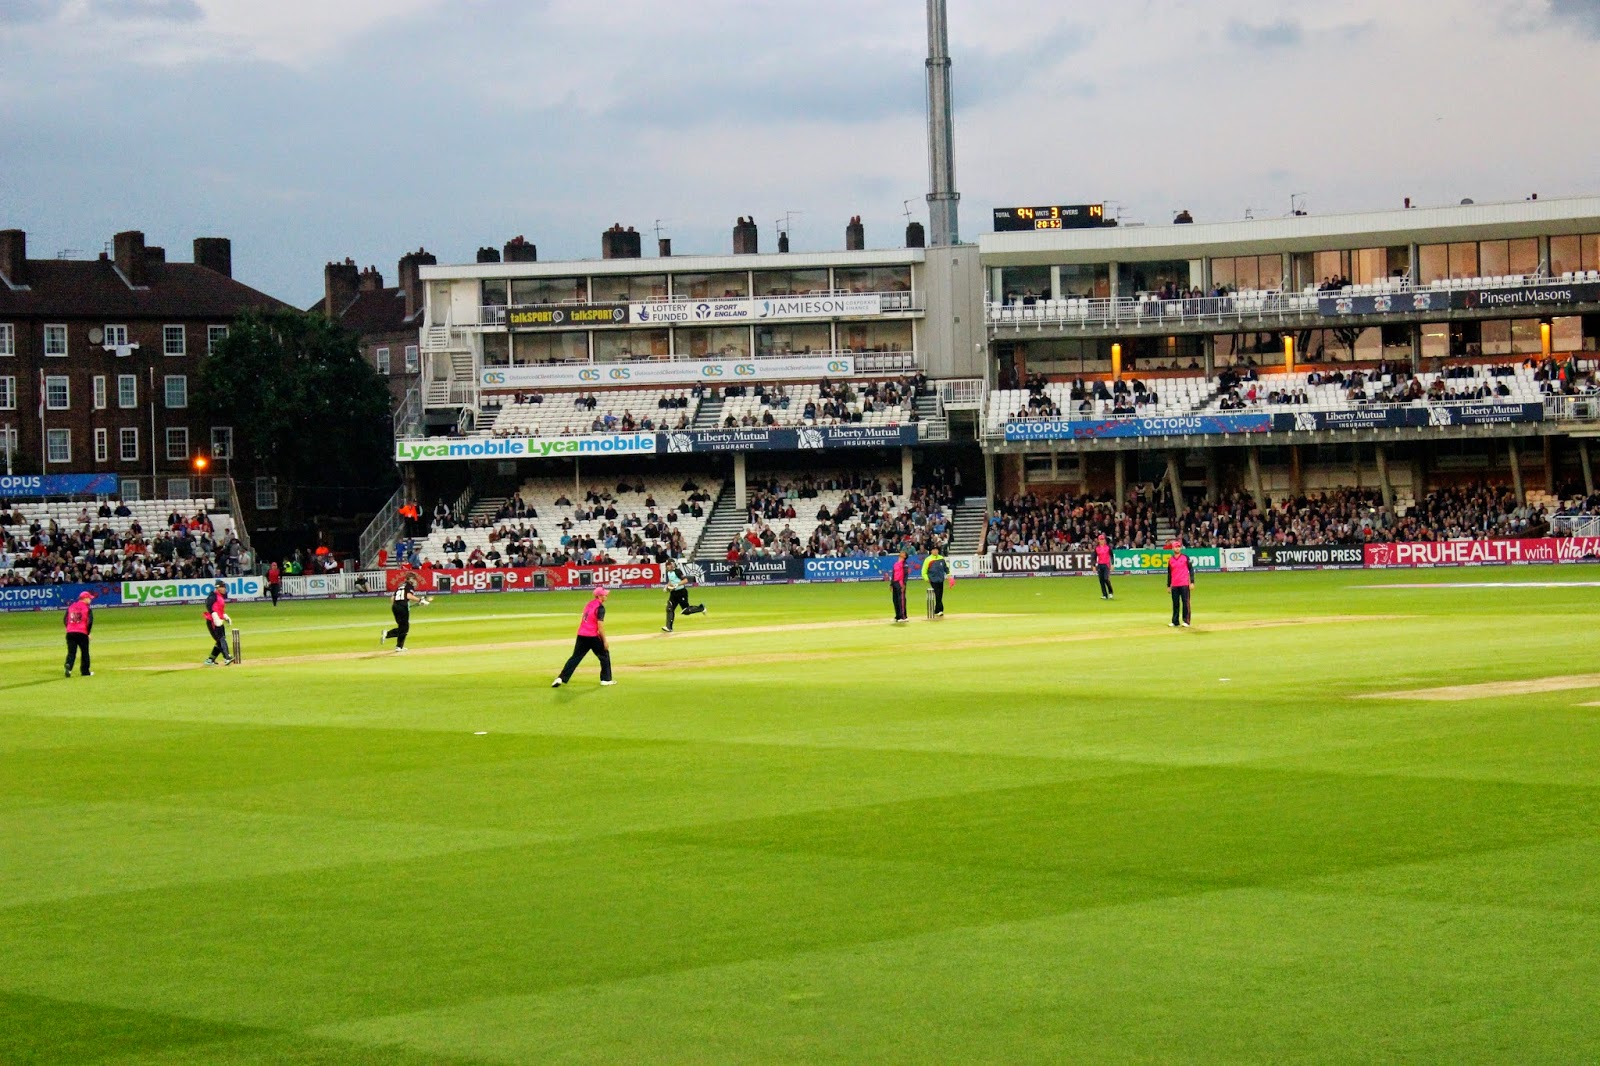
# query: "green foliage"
{"type": "Point", "coordinates": [304, 406]}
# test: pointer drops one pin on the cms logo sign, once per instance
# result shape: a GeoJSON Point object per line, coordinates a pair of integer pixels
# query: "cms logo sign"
{"type": "Point", "coordinates": [494, 377]}
{"type": "Point", "coordinates": [744, 370]}
{"type": "Point", "coordinates": [711, 371]}
{"type": "Point", "coordinates": [838, 366]}
{"type": "Point", "coordinates": [588, 375]}
{"type": "Point", "coordinates": [620, 373]}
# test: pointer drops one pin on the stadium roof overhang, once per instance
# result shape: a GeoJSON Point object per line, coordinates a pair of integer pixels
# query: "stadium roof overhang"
{"type": "Point", "coordinates": [1298, 233]}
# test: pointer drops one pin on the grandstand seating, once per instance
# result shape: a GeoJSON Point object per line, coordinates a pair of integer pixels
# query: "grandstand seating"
{"type": "Point", "coordinates": [190, 555]}
{"type": "Point", "coordinates": [544, 526]}
{"type": "Point", "coordinates": [754, 408]}
{"type": "Point", "coordinates": [558, 415]}
{"type": "Point", "coordinates": [1173, 396]}
{"type": "Point", "coordinates": [808, 493]}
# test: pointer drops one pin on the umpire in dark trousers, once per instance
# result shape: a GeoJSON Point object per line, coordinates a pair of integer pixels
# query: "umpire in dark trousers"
{"type": "Point", "coordinates": [897, 586]}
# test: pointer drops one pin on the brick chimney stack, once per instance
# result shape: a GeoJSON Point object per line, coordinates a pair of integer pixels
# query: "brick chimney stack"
{"type": "Point", "coordinates": [14, 256]}
{"type": "Point", "coordinates": [746, 237]}
{"type": "Point", "coordinates": [371, 279]}
{"type": "Point", "coordinates": [916, 237]}
{"type": "Point", "coordinates": [488, 255]}
{"type": "Point", "coordinates": [128, 251]}
{"type": "Point", "coordinates": [619, 243]}
{"type": "Point", "coordinates": [409, 277]}
{"type": "Point", "coordinates": [214, 253]}
{"type": "Point", "coordinates": [340, 283]}
{"type": "Point", "coordinates": [855, 235]}
{"type": "Point", "coordinates": [520, 250]}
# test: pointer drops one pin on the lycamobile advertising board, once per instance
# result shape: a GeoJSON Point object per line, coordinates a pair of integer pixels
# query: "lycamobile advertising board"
{"type": "Point", "coordinates": [434, 449]}
{"type": "Point", "coordinates": [189, 590]}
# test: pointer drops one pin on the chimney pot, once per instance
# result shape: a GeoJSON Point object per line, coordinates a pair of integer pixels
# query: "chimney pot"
{"type": "Point", "coordinates": [619, 243]}
{"type": "Point", "coordinates": [128, 250]}
{"type": "Point", "coordinates": [214, 253]}
{"type": "Point", "coordinates": [855, 235]}
{"type": "Point", "coordinates": [14, 255]}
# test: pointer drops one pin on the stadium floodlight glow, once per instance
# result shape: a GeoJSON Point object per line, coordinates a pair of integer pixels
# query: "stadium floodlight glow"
{"type": "Point", "coordinates": [200, 464]}
{"type": "Point", "coordinates": [1544, 339]}
{"type": "Point", "coordinates": [1288, 354]}
{"type": "Point", "coordinates": [1116, 361]}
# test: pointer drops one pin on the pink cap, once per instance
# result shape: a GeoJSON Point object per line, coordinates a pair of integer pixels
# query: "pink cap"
{"type": "Point", "coordinates": [602, 592]}
{"type": "Point", "coordinates": [85, 595]}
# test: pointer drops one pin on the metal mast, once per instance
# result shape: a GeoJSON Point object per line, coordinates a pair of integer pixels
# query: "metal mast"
{"type": "Point", "coordinates": [942, 199]}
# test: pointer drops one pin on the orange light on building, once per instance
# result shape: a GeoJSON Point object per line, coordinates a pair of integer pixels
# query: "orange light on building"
{"type": "Point", "coordinates": [1288, 355]}
{"type": "Point", "coordinates": [1116, 361]}
{"type": "Point", "coordinates": [1544, 338]}
{"type": "Point", "coordinates": [200, 464]}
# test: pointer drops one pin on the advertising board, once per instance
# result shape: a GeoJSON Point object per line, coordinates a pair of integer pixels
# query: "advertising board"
{"type": "Point", "coordinates": [667, 372]}
{"type": "Point", "coordinates": [1043, 562]}
{"type": "Point", "coordinates": [56, 597]}
{"type": "Point", "coordinates": [189, 590]}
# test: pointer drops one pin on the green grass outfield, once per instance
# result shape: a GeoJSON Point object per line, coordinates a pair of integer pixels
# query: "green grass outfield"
{"type": "Point", "coordinates": [1044, 829]}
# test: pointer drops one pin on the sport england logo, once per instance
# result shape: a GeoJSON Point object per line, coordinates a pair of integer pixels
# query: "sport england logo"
{"type": "Point", "coordinates": [702, 311]}
{"type": "Point", "coordinates": [809, 439]}
{"type": "Point", "coordinates": [1440, 416]}
{"type": "Point", "coordinates": [679, 443]}
{"type": "Point", "coordinates": [1305, 420]}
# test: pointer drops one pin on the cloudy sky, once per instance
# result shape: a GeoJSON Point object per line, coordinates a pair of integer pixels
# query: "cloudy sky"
{"type": "Point", "coordinates": [310, 130]}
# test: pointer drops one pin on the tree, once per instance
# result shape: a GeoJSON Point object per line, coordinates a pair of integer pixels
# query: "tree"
{"type": "Point", "coordinates": [305, 408]}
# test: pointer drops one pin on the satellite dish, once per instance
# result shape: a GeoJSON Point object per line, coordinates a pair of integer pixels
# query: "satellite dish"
{"type": "Point", "coordinates": [96, 335]}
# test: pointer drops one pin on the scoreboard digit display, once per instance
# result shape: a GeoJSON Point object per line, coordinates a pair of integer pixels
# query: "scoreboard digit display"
{"type": "Point", "coordinates": [1056, 216]}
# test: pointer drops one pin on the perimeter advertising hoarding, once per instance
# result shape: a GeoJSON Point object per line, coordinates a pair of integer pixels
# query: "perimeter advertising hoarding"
{"type": "Point", "coordinates": [567, 316]}
{"type": "Point", "coordinates": [1043, 563]}
{"type": "Point", "coordinates": [1554, 294]}
{"type": "Point", "coordinates": [858, 567]}
{"type": "Point", "coordinates": [1485, 413]}
{"type": "Point", "coordinates": [1309, 556]}
{"type": "Point", "coordinates": [710, 312]}
{"type": "Point", "coordinates": [668, 372]}
{"type": "Point", "coordinates": [56, 597]}
{"type": "Point", "coordinates": [1482, 552]}
{"type": "Point", "coordinates": [1138, 560]}
{"type": "Point", "coordinates": [748, 572]}
{"type": "Point", "coordinates": [1095, 428]}
{"type": "Point", "coordinates": [34, 485]}
{"type": "Point", "coordinates": [438, 449]}
{"type": "Point", "coordinates": [1383, 303]}
{"type": "Point", "coordinates": [505, 579]}
{"type": "Point", "coordinates": [806, 438]}
{"type": "Point", "coordinates": [190, 590]}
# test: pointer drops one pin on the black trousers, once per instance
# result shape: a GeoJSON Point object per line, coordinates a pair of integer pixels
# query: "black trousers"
{"type": "Point", "coordinates": [897, 589]}
{"type": "Point", "coordinates": [583, 647]}
{"type": "Point", "coordinates": [402, 624]}
{"type": "Point", "coordinates": [219, 641]}
{"type": "Point", "coordinates": [938, 596]}
{"type": "Point", "coordinates": [77, 642]}
{"type": "Point", "coordinates": [1103, 572]}
{"type": "Point", "coordinates": [1180, 602]}
{"type": "Point", "coordinates": [678, 600]}
{"type": "Point", "coordinates": [274, 587]}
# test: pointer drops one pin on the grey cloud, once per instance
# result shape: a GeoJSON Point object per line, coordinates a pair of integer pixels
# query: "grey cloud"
{"type": "Point", "coordinates": [1584, 14]}
{"type": "Point", "coordinates": [154, 10]}
{"type": "Point", "coordinates": [1283, 33]}
{"type": "Point", "coordinates": [27, 12]}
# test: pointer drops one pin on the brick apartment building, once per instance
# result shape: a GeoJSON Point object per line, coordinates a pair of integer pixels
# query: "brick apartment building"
{"type": "Point", "coordinates": [99, 360]}
{"type": "Point", "coordinates": [387, 320]}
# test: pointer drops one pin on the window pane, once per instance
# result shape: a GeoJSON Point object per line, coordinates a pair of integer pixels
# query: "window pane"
{"type": "Point", "coordinates": [215, 336]}
{"type": "Point", "coordinates": [873, 279]}
{"type": "Point", "coordinates": [99, 392]}
{"type": "Point", "coordinates": [177, 443]}
{"type": "Point", "coordinates": [718, 342]}
{"type": "Point", "coordinates": [1435, 339]}
{"type": "Point", "coordinates": [1494, 258]}
{"type": "Point", "coordinates": [712, 286]}
{"type": "Point", "coordinates": [1525, 336]}
{"type": "Point", "coordinates": [412, 362]}
{"type": "Point", "coordinates": [127, 390]}
{"type": "Point", "coordinates": [1565, 255]}
{"type": "Point", "coordinates": [620, 346]}
{"type": "Point", "coordinates": [178, 488]}
{"type": "Point", "coordinates": [1589, 244]}
{"type": "Point", "coordinates": [222, 442]}
{"type": "Point", "coordinates": [496, 349]}
{"type": "Point", "coordinates": [101, 450]}
{"type": "Point", "coordinates": [1496, 337]}
{"type": "Point", "coordinates": [549, 291]}
{"type": "Point", "coordinates": [58, 396]}
{"type": "Point", "coordinates": [177, 390]}
{"type": "Point", "coordinates": [875, 336]}
{"type": "Point", "coordinates": [8, 394]}
{"type": "Point", "coordinates": [1435, 263]}
{"type": "Point", "coordinates": [172, 340]}
{"type": "Point", "coordinates": [1464, 260]}
{"type": "Point", "coordinates": [1223, 274]}
{"type": "Point", "coordinates": [383, 361]}
{"type": "Point", "coordinates": [55, 340]}
{"type": "Point", "coordinates": [129, 445]}
{"type": "Point", "coordinates": [8, 339]}
{"type": "Point", "coordinates": [58, 445]}
{"type": "Point", "coordinates": [1270, 269]}
{"type": "Point", "coordinates": [549, 348]}
{"type": "Point", "coordinates": [1524, 256]}
{"type": "Point", "coordinates": [798, 339]}
{"type": "Point", "coordinates": [793, 282]}
{"type": "Point", "coordinates": [627, 288]}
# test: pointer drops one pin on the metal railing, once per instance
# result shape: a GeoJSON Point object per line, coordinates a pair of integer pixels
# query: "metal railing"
{"type": "Point", "coordinates": [408, 416]}
{"type": "Point", "coordinates": [382, 530]}
{"type": "Point", "coordinates": [962, 394]}
{"type": "Point", "coordinates": [494, 315]}
{"type": "Point", "coordinates": [1584, 408]}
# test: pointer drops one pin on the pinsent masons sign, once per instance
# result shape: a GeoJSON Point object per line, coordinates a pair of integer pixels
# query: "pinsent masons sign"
{"type": "Point", "coordinates": [436, 449]}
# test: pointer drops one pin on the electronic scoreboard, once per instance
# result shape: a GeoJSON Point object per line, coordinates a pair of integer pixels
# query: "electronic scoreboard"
{"type": "Point", "coordinates": [1073, 216]}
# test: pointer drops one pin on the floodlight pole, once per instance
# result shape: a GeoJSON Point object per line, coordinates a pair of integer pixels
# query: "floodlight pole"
{"type": "Point", "coordinates": [942, 196]}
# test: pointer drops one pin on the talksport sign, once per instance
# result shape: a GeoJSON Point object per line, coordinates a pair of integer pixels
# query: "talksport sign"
{"type": "Point", "coordinates": [439, 449]}
{"type": "Point", "coordinates": [711, 312]}
{"type": "Point", "coordinates": [190, 590]}
{"type": "Point", "coordinates": [566, 316]}
{"type": "Point", "coordinates": [31, 485]}
{"type": "Point", "coordinates": [668, 372]}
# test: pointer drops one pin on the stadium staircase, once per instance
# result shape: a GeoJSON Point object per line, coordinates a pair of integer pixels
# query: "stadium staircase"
{"type": "Point", "coordinates": [709, 416]}
{"type": "Point", "coordinates": [933, 422]}
{"type": "Point", "coordinates": [460, 371]}
{"type": "Point", "coordinates": [485, 508]}
{"type": "Point", "coordinates": [967, 526]}
{"type": "Point", "coordinates": [724, 523]}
